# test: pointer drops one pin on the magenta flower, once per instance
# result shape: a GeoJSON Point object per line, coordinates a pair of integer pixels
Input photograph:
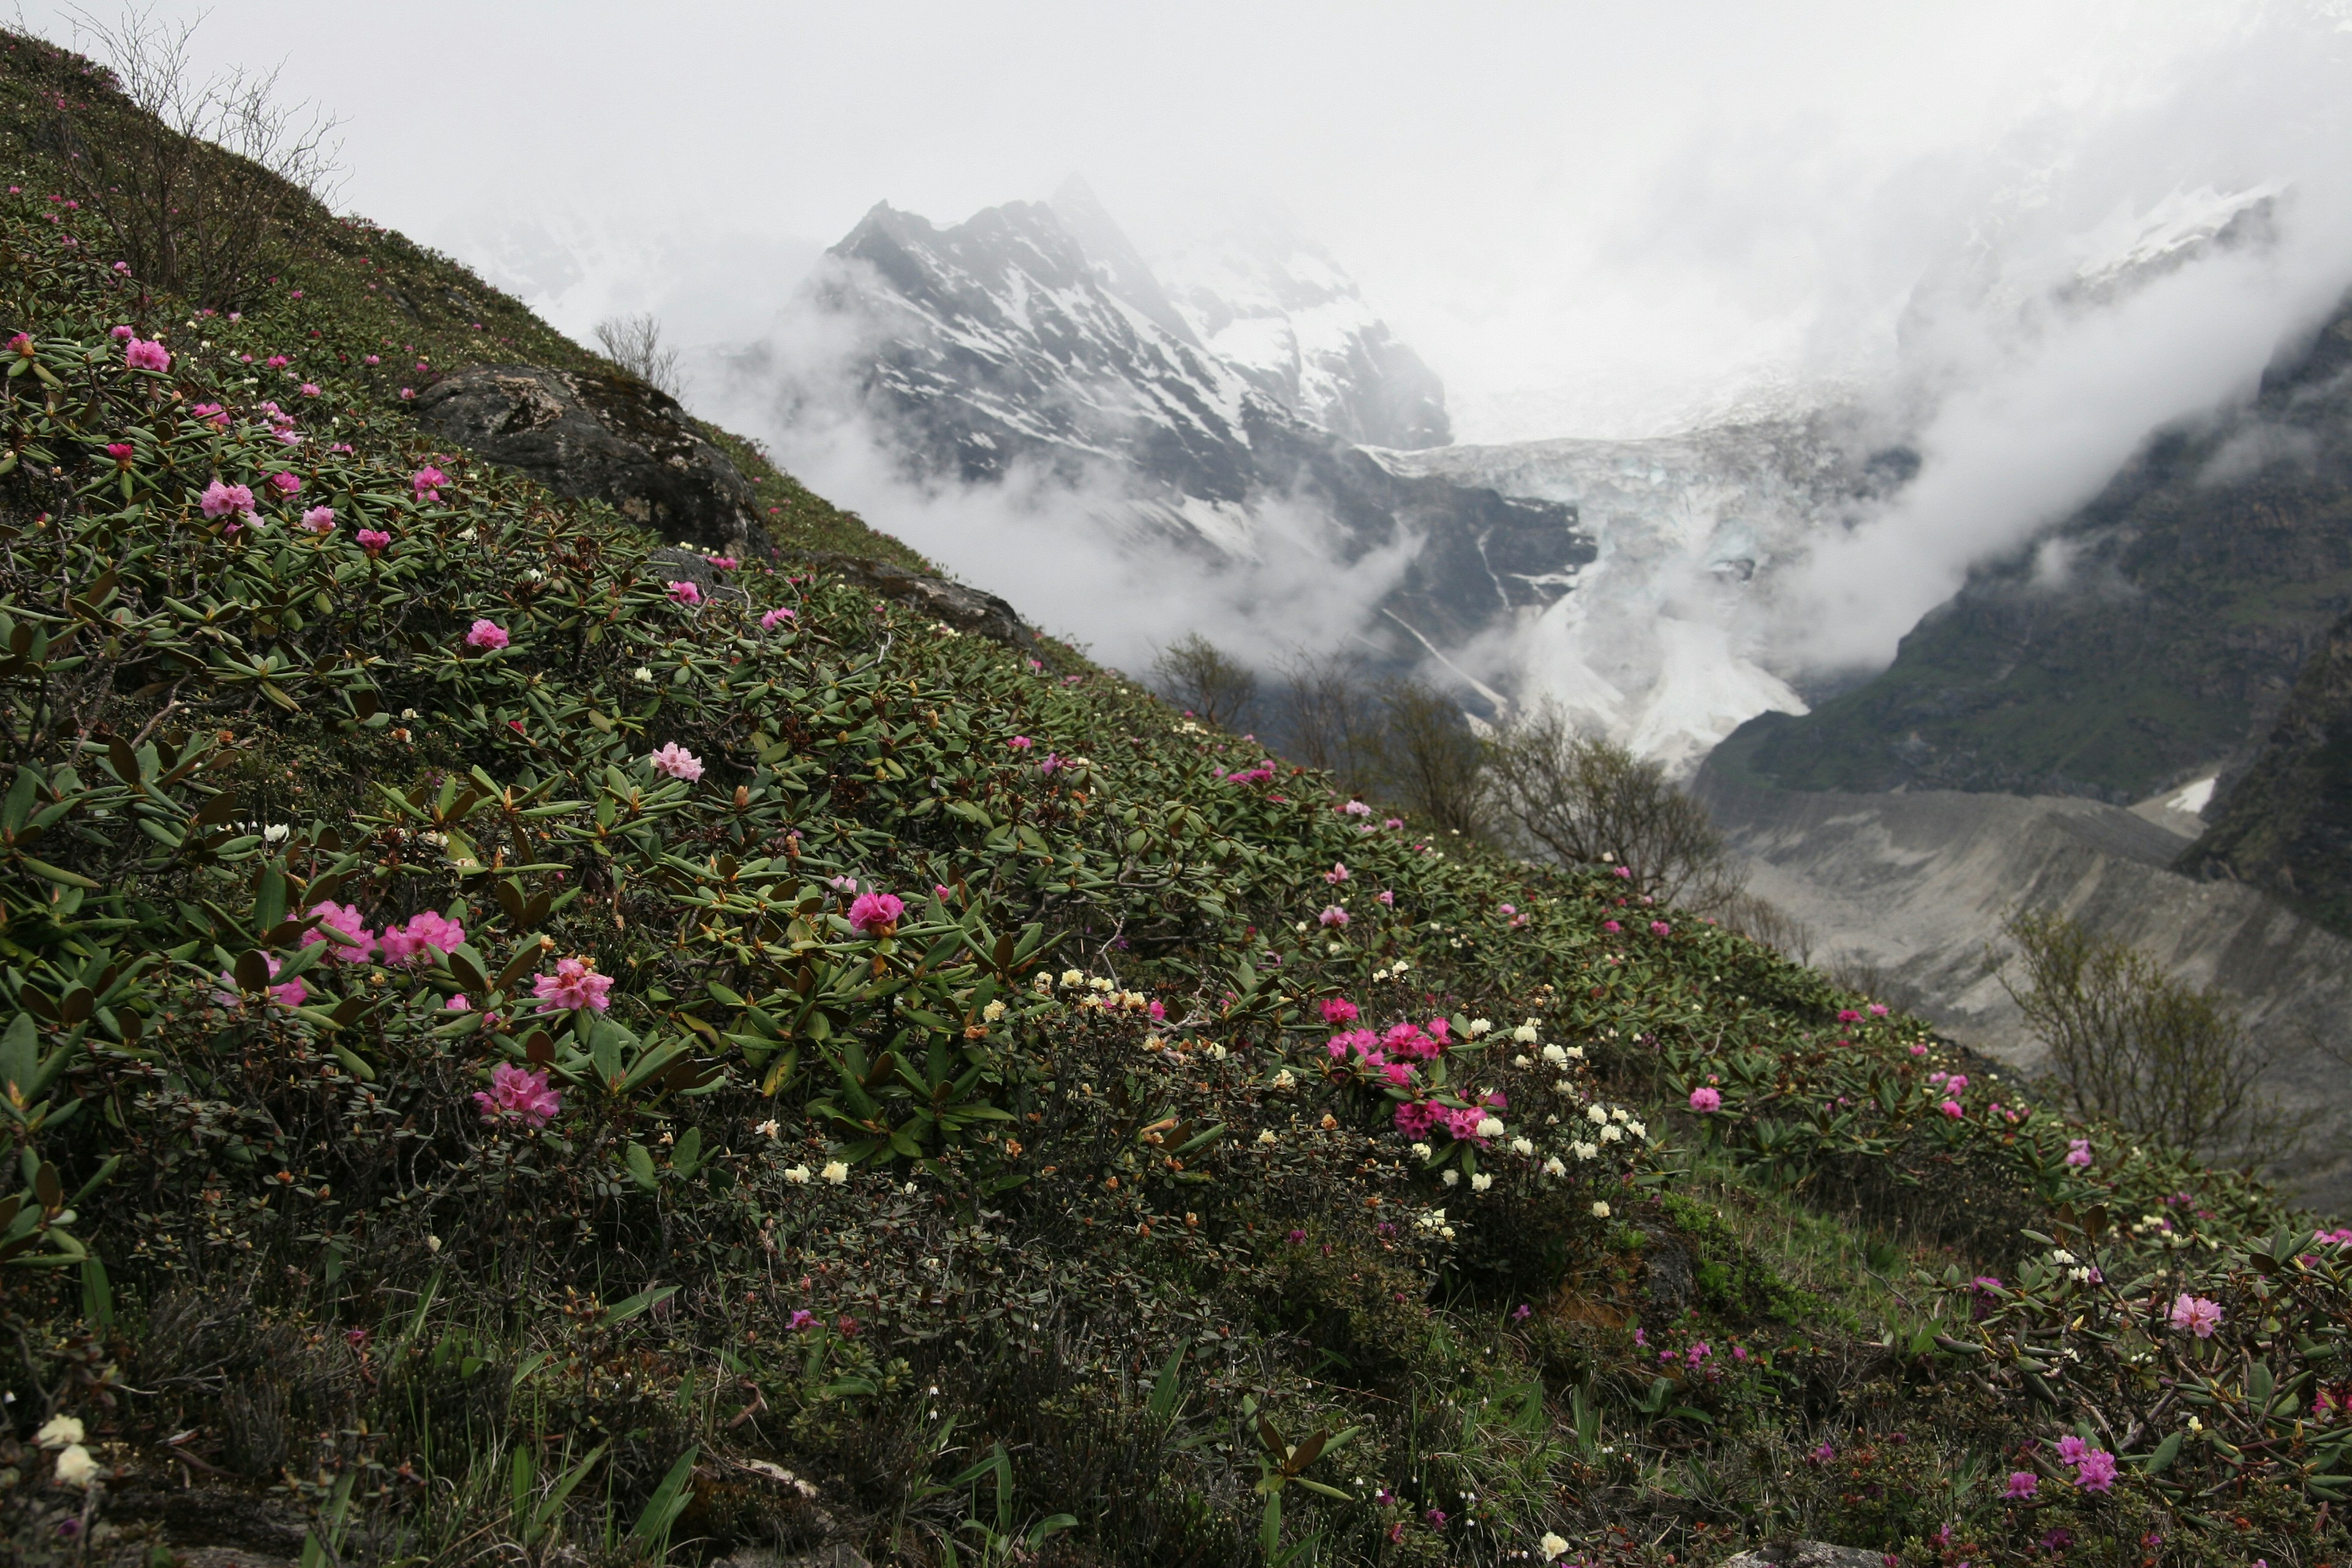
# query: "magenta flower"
{"type": "Point", "coordinates": [2071, 1448]}
{"type": "Point", "coordinates": [1848, 1016]}
{"type": "Point", "coordinates": [687, 592]}
{"type": "Point", "coordinates": [1624, 871]}
{"type": "Point", "coordinates": [319, 519]}
{"type": "Point", "coordinates": [1157, 1010]}
{"type": "Point", "coordinates": [427, 480]}
{"type": "Point", "coordinates": [284, 484]}
{"type": "Point", "coordinates": [1660, 927]}
{"type": "Point", "coordinates": [724, 563]}
{"type": "Point", "coordinates": [122, 334]}
{"type": "Point", "coordinates": [425, 933]}
{"type": "Point", "coordinates": [372, 359]}
{"type": "Point", "coordinates": [1878, 1009]}
{"type": "Point", "coordinates": [1336, 874]}
{"type": "Point", "coordinates": [143, 354]}
{"type": "Point", "coordinates": [123, 452]}
{"type": "Point", "coordinates": [1339, 1010]}
{"type": "Point", "coordinates": [1951, 1108]}
{"type": "Point", "coordinates": [676, 762]}
{"type": "Point", "coordinates": [1822, 1455]}
{"type": "Point", "coordinates": [309, 389]}
{"type": "Point", "coordinates": [1385, 899]}
{"type": "Point", "coordinates": [1020, 742]}
{"type": "Point", "coordinates": [1705, 1100]}
{"type": "Point", "coordinates": [2096, 1473]}
{"type": "Point", "coordinates": [518, 1095]}
{"type": "Point", "coordinates": [775, 618]}
{"type": "Point", "coordinates": [2078, 1151]}
{"type": "Point", "coordinates": [574, 984]}
{"type": "Point", "coordinates": [220, 499]}
{"type": "Point", "coordinates": [341, 925]}
{"type": "Point", "coordinates": [2196, 1314]}
{"type": "Point", "coordinates": [802, 1318]}
{"type": "Point", "coordinates": [485, 634]}
{"type": "Point", "coordinates": [2022, 1484]}
{"type": "Point", "coordinates": [1356, 808]}
{"type": "Point", "coordinates": [278, 362]}
{"type": "Point", "coordinates": [1333, 916]}
{"type": "Point", "coordinates": [876, 914]}
{"type": "Point", "coordinates": [375, 541]}
{"type": "Point", "coordinates": [1612, 927]}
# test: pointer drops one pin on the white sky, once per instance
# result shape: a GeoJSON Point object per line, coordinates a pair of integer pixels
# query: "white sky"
{"type": "Point", "coordinates": [1583, 215]}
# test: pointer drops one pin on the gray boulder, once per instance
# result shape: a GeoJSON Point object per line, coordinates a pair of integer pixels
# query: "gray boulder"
{"type": "Point", "coordinates": [952, 604]}
{"type": "Point", "coordinates": [604, 436]}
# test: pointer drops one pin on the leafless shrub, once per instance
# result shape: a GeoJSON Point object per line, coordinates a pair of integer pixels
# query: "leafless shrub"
{"type": "Point", "coordinates": [2133, 1045]}
{"type": "Point", "coordinates": [1330, 719]}
{"type": "Point", "coordinates": [1584, 799]}
{"type": "Point", "coordinates": [634, 343]}
{"type": "Point", "coordinates": [1760, 920]}
{"type": "Point", "coordinates": [198, 175]}
{"type": "Point", "coordinates": [1429, 759]}
{"type": "Point", "coordinates": [1200, 678]}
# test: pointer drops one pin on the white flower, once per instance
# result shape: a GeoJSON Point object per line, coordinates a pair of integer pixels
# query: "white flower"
{"type": "Point", "coordinates": [1596, 1113]}
{"type": "Point", "coordinates": [1489, 1127]}
{"type": "Point", "coordinates": [908, 1189]}
{"type": "Point", "coordinates": [1074, 977]}
{"type": "Point", "coordinates": [1576, 1051]}
{"type": "Point", "coordinates": [769, 1128]}
{"type": "Point", "coordinates": [2061, 1256]}
{"type": "Point", "coordinates": [1552, 1167]}
{"type": "Point", "coordinates": [834, 1171]}
{"type": "Point", "coordinates": [1524, 1033]}
{"type": "Point", "coordinates": [1617, 1113]}
{"type": "Point", "coordinates": [1636, 1129]}
{"type": "Point", "coordinates": [60, 1432]}
{"type": "Point", "coordinates": [1523, 1146]}
{"type": "Point", "coordinates": [277, 833]}
{"type": "Point", "coordinates": [1600, 1209]}
{"type": "Point", "coordinates": [1564, 1086]}
{"type": "Point", "coordinates": [1556, 1056]}
{"type": "Point", "coordinates": [75, 1466]}
{"type": "Point", "coordinates": [1421, 1151]}
{"type": "Point", "coordinates": [1098, 983]}
{"type": "Point", "coordinates": [1552, 1545]}
{"type": "Point", "coordinates": [1523, 1060]}
{"type": "Point", "coordinates": [1611, 1132]}
{"type": "Point", "coordinates": [642, 673]}
{"type": "Point", "coordinates": [1265, 1139]}
{"type": "Point", "coordinates": [992, 1012]}
{"type": "Point", "coordinates": [1283, 1079]}
{"type": "Point", "coordinates": [1446, 1231]}
{"type": "Point", "coordinates": [1449, 1177]}
{"type": "Point", "coordinates": [1433, 1219]}
{"type": "Point", "coordinates": [1584, 1151]}
{"type": "Point", "coordinates": [1480, 1026]}
{"type": "Point", "coordinates": [1481, 1182]}
{"type": "Point", "coordinates": [798, 1175]}
{"type": "Point", "coordinates": [432, 1244]}
{"type": "Point", "coordinates": [1379, 974]}
{"type": "Point", "coordinates": [1218, 1053]}
{"type": "Point", "coordinates": [1400, 967]}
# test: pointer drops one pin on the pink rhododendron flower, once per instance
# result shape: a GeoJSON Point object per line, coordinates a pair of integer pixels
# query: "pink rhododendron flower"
{"type": "Point", "coordinates": [278, 362]}
{"type": "Point", "coordinates": [1951, 1108]}
{"type": "Point", "coordinates": [516, 1095]}
{"type": "Point", "coordinates": [1333, 915]}
{"type": "Point", "coordinates": [1336, 874]}
{"type": "Point", "coordinates": [687, 592]}
{"type": "Point", "coordinates": [724, 563]}
{"type": "Point", "coordinates": [1822, 1455]}
{"type": "Point", "coordinates": [2022, 1484]}
{"type": "Point", "coordinates": [485, 634]}
{"type": "Point", "coordinates": [308, 390]}
{"type": "Point", "coordinates": [423, 934]}
{"type": "Point", "coordinates": [372, 359]}
{"type": "Point", "coordinates": [575, 984]}
{"type": "Point", "coordinates": [2078, 1151]}
{"type": "Point", "coordinates": [1339, 1010]}
{"type": "Point", "coordinates": [1848, 1016]}
{"type": "Point", "coordinates": [2196, 1314]}
{"type": "Point", "coordinates": [1957, 1083]}
{"type": "Point", "coordinates": [123, 452]}
{"type": "Point", "coordinates": [2071, 1450]}
{"type": "Point", "coordinates": [284, 484]}
{"type": "Point", "coordinates": [1624, 871]}
{"type": "Point", "coordinates": [676, 762]}
{"type": "Point", "coordinates": [427, 480]}
{"type": "Point", "coordinates": [1356, 808]}
{"type": "Point", "coordinates": [319, 519]}
{"type": "Point", "coordinates": [2096, 1473]}
{"type": "Point", "coordinates": [775, 618]}
{"type": "Point", "coordinates": [122, 334]}
{"type": "Point", "coordinates": [1157, 1010]}
{"type": "Point", "coordinates": [1415, 1118]}
{"type": "Point", "coordinates": [1385, 899]}
{"type": "Point", "coordinates": [1020, 742]}
{"type": "Point", "coordinates": [876, 914]}
{"type": "Point", "coordinates": [375, 541]}
{"type": "Point", "coordinates": [1705, 1100]}
{"type": "Point", "coordinates": [1393, 824]}
{"type": "Point", "coordinates": [1878, 1009]}
{"type": "Point", "coordinates": [142, 353]}
{"type": "Point", "coordinates": [1612, 927]}
{"type": "Point", "coordinates": [341, 925]}
{"type": "Point", "coordinates": [1054, 762]}
{"type": "Point", "coordinates": [1660, 927]}
{"type": "Point", "coordinates": [221, 499]}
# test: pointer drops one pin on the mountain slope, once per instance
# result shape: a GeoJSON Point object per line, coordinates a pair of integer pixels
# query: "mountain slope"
{"type": "Point", "coordinates": [2154, 633]}
{"type": "Point", "coordinates": [2287, 826]}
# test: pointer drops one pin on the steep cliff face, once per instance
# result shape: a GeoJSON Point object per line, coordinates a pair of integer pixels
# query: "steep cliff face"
{"type": "Point", "coordinates": [2286, 827]}
{"type": "Point", "coordinates": [2153, 634]}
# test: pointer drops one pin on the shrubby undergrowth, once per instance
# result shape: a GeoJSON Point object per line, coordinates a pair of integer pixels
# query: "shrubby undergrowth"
{"type": "Point", "coordinates": [506, 1055]}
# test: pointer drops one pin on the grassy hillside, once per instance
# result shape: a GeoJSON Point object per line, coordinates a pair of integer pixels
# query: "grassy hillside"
{"type": "Point", "coordinates": [501, 1064]}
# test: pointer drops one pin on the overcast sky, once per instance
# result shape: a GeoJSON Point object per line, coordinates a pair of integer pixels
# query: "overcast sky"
{"type": "Point", "coordinates": [1583, 215]}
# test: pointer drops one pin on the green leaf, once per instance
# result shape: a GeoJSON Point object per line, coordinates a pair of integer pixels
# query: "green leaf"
{"type": "Point", "coordinates": [641, 1166]}
{"type": "Point", "coordinates": [669, 1501]}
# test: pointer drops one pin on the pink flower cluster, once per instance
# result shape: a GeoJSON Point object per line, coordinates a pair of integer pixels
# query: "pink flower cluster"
{"type": "Point", "coordinates": [1262, 773]}
{"type": "Point", "coordinates": [339, 925]}
{"type": "Point", "coordinates": [144, 354]}
{"type": "Point", "coordinates": [575, 984]}
{"type": "Point", "coordinates": [293, 994]}
{"type": "Point", "coordinates": [1333, 916]}
{"type": "Point", "coordinates": [2078, 1151]}
{"type": "Point", "coordinates": [876, 914]}
{"type": "Point", "coordinates": [687, 593]}
{"type": "Point", "coordinates": [516, 1095]}
{"type": "Point", "coordinates": [428, 482]}
{"type": "Point", "coordinates": [775, 618]}
{"type": "Point", "coordinates": [2196, 1315]}
{"type": "Point", "coordinates": [2094, 1468]}
{"type": "Point", "coordinates": [676, 762]}
{"type": "Point", "coordinates": [220, 499]}
{"type": "Point", "coordinates": [424, 935]}
{"type": "Point", "coordinates": [1705, 1100]}
{"type": "Point", "coordinates": [485, 634]}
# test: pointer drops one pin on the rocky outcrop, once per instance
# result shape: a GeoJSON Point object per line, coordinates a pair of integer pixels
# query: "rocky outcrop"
{"type": "Point", "coordinates": [604, 436]}
{"type": "Point", "coordinates": [2286, 827]}
{"type": "Point", "coordinates": [951, 603]}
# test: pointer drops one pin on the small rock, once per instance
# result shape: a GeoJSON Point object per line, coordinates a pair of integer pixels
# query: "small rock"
{"type": "Point", "coordinates": [608, 437]}
{"type": "Point", "coordinates": [1807, 1555]}
{"type": "Point", "coordinates": [952, 604]}
{"type": "Point", "coordinates": [835, 1554]}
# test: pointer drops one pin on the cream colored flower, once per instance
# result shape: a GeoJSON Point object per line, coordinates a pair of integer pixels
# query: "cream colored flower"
{"type": "Point", "coordinates": [1523, 1146]}
{"type": "Point", "coordinates": [834, 1171]}
{"type": "Point", "coordinates": [1552, 1167]}
{"type": "Point", "coordinates": [1481, 1182]}
{"type": "Point", "coordinates": [59, 1432]}
{"type": "Point", "coordinates": [1553, 1546]}
{"type": "Point", "coordinates": [75, 1467]}
{"type": "Point", "coordinates": [1489, 1127]}
{"type": "Point", "coordinates": [798, 1175]}
{"type": "Point", "coordinates": [770, 1127]}
{"type": "Point", "coordinates": [1553, 1053]}
{"type": "Point", "coordinates": [992, 1013]}
{"type": "Point", "coordinates": [1266, 1140]}
{"type": "Point", "coordinates": [1283, 1079]}
{"type": "Point", "coordinates": [1600, 1209]}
